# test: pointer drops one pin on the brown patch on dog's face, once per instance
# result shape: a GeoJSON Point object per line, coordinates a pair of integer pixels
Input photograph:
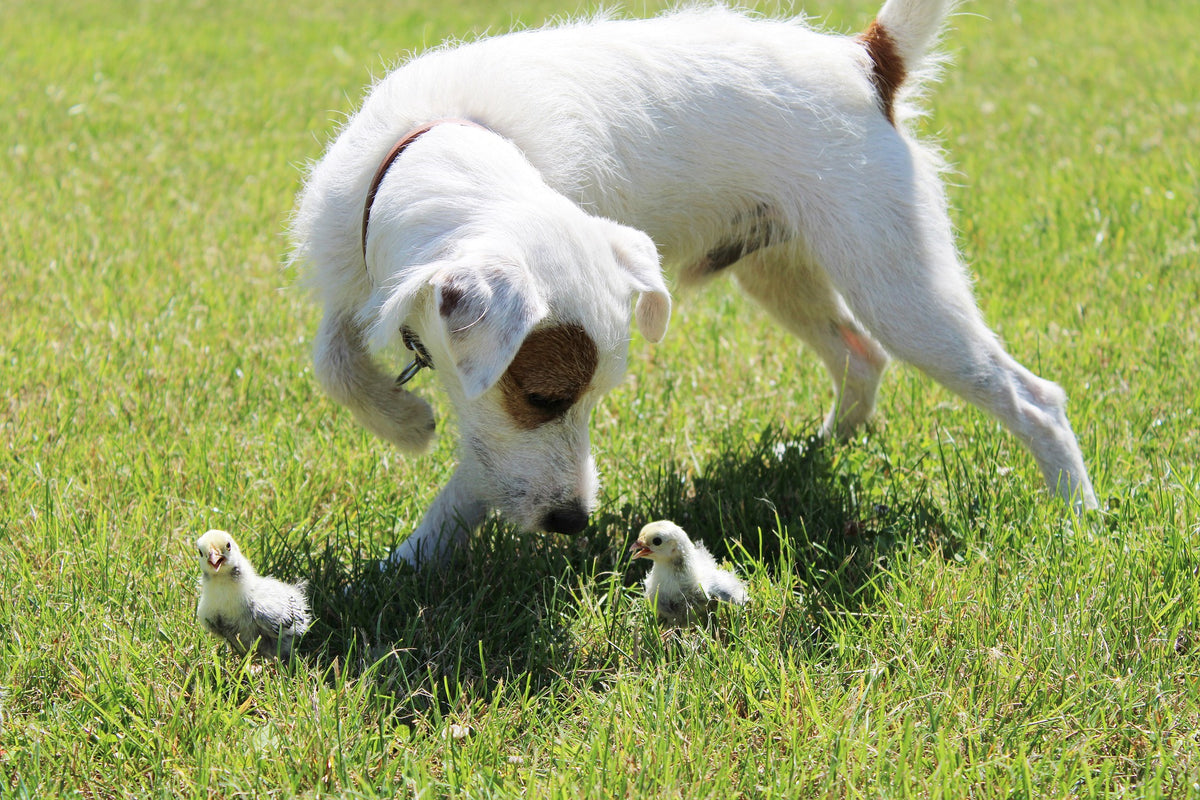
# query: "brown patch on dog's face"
{"type": "Point", "coordinates": [888, 71]}
{"type": "Point", "coordinates": [549, 374]}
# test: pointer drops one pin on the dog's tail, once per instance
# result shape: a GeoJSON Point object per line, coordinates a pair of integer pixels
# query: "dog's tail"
{"type": "Point", "coordinates": [351, 377]}
{"type": "Point", "coordinates": [898, 43]}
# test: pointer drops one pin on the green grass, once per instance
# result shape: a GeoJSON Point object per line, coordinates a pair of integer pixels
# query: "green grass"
{"type": "Point", "coordinates": [925, 622]}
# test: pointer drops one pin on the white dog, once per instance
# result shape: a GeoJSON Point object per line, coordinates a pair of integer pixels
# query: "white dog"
{"type": "Point", "coordinates": [497, 206]}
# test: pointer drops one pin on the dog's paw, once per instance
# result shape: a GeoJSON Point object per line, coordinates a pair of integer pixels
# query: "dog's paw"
{"type": "Point", "coordinates": [403, 419]}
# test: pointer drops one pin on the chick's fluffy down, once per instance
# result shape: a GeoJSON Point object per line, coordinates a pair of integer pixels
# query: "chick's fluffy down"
{"type": "Point", "coordinates": [246, 609]}
{"type": "Point", "coordinates": [684, 583]}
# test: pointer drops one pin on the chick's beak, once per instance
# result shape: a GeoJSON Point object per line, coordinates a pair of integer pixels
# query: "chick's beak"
{"type": "Point", "coordinates": [215, 559]}
{"type": "Point", "coordinates": [639, 550]}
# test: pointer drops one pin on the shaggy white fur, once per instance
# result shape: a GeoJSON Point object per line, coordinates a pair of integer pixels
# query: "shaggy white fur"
{"type": "Point", "coordinates": [721, 141]}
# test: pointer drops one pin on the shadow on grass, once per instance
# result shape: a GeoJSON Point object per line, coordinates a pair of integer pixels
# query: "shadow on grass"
{"type": "Point", "coordinates": [807, 497]}
{"type": "Point", "coordinates": [503, 611]}
{"type": "Point", "coordinates": [801, 490]}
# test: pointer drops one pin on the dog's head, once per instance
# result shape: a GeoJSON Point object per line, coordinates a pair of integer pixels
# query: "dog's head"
{"type": "Point", "coordinates": [526, 312]}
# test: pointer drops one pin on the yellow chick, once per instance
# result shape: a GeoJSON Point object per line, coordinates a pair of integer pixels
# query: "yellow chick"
{"type": "Point", "coordinates": [243, 607]}
{"type": "Point", "coordinates": [684, 583]}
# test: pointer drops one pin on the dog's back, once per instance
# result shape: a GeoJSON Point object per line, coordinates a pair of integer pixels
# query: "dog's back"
{"type": "Point", "coordinates": [751, 101]}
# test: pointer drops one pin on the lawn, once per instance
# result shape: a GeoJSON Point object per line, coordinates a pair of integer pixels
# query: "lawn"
{"type": "Point", "coordinates": [925, 620]}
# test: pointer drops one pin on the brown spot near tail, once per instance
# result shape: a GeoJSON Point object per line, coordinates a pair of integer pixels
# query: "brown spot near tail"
{"type": "Point", "coordinates": [887, 67]}
{"type": "Point", "coordinates": [548, 375]}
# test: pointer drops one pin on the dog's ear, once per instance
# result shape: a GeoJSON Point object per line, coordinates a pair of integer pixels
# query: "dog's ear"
{"type": "Point", "coordinates": [638, 256]}
{"type": "Point", "coordinates": [485, 314]}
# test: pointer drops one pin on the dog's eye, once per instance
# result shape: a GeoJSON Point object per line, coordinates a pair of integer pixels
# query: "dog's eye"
{"type": "Point", "coordinates": [548, 404]}
{"type": "Point", "coordinates": [656, 541]}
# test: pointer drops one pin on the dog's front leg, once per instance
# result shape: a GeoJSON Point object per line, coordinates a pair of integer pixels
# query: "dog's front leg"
{"type": "Point", "coordinates": [455, 513]}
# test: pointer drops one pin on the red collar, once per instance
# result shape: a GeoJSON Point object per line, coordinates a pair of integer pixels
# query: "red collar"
{"type": "Point", "coordinates": [386, 164]}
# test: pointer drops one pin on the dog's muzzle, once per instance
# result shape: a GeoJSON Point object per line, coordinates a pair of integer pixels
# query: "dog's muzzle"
{"type": "Point", "coordinates": [570, 518]}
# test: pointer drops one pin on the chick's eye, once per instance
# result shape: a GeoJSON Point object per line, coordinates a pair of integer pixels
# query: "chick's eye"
{"type": "Point", "coordinates": [656, 541]}
{"type": "Point", "coordinates": [228, 546]}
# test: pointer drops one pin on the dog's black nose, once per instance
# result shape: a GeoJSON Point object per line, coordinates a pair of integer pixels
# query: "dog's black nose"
{"type": "Point", "coordinates": [570, 518]}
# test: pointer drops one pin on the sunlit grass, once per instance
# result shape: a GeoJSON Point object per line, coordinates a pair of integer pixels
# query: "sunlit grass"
{"type": "Point", "coordinates": [925, 622]}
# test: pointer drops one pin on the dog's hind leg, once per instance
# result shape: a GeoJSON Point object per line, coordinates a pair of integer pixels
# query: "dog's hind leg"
{"type": "Point", "coordinates": [351, 377]}
{"type": "Point", "coordinates": [805, 303]}
{"type": "Point", "coordinates": [902, 277]}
